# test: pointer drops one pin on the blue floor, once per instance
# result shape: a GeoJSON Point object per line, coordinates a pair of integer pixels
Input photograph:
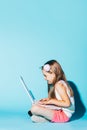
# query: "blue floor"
{"type": "Point", "coordinates": [21, 121]}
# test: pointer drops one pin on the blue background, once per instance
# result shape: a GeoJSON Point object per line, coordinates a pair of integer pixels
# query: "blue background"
{"type": "Point", "coordinates": [33, 32]}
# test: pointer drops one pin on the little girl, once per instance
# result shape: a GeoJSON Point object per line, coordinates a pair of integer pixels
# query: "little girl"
{"type": "Point", "coordinates": [60, 94]}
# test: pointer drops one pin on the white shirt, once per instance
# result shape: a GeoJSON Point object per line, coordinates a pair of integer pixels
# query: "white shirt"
{"type": "Point", "coordinates": [68, 110]}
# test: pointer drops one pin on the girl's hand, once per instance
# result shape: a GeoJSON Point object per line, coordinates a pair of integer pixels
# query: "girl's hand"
{"type": "Point", "coordinates": [44, 101]}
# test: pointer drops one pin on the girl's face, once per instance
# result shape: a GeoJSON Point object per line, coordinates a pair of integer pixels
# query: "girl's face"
{"type": "Point", "coordinates": [49, 76]}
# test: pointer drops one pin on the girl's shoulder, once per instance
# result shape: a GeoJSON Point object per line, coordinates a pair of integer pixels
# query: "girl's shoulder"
{"type": "Point", "coordinates": [65, 86]}
{"type": "Point", "coordinates": [61, 83]}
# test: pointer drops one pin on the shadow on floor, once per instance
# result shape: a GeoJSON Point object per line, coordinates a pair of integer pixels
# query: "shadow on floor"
{"type": "Point", "coordinates": [79, 106]}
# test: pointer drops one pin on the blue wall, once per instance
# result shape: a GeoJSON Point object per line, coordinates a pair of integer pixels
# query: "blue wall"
{"type": "Point", "coordinates": [33, 32]}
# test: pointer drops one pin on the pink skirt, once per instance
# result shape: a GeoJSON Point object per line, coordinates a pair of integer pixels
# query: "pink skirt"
{"type": "Point", "coordinates": [60, 116]}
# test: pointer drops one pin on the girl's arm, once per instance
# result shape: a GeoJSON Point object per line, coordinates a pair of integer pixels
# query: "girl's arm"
{"type": "Point", "coordinates": [61, 90]}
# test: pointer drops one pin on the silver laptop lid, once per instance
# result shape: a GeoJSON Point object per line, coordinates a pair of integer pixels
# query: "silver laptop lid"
{"type": "Point", "coordinates": [31, 96]}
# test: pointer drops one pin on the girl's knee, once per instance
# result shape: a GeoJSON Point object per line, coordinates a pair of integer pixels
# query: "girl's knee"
{"type": "Point", "coordinates": [35, 109]}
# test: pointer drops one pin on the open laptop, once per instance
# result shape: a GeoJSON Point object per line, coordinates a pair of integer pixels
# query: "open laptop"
{"type": "Point", "coordinates": [32, 98]}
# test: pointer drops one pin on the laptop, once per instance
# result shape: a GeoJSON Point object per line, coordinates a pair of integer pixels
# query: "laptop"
{"type": "Point", "coordinates": [32, 98]}
{"type": "Point", "coordinates": [29, 92]}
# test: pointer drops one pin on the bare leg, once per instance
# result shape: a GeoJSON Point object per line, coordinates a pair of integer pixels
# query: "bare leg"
{"type": "Point", "coordinates": [42, 111]}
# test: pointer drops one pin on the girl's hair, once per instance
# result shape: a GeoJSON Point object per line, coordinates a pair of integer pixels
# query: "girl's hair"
{"type": "Point", "coordinates": [57, 69]}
